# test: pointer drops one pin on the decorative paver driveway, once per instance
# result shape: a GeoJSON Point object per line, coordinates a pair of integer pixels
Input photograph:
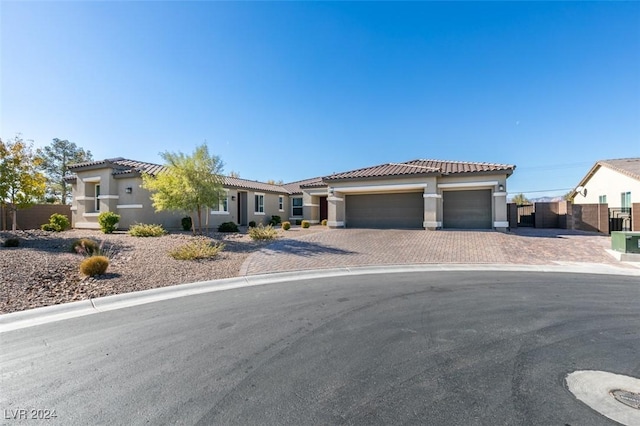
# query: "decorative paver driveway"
{"type": "Point", "coordinates": [362, 247]}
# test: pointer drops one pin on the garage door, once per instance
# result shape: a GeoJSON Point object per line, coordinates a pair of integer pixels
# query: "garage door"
{"type": "Point", "coordinates": [385, 210]}
{"type": "Point", "coordinates": [467, 209]}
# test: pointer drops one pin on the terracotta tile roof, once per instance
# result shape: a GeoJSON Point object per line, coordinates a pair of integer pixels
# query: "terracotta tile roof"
{"type": "Point", "coordinates": [626, 166]}
{"type": "Point", "coordinates": [421, 167]}
{"type": "Point", "coordinates": [121, 166]}
{"type": "Point", "coordinates": [296, 187]}
{"type": "Point", "coordinates": [253, 184]}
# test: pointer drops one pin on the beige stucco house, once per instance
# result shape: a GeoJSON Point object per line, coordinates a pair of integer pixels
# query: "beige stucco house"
{"type": "Point", "coordinates": [612, 182]}
{"type": "Point", "coordinates": [116, 185]}
{"type": "Point", "coordinates": [426, 194]}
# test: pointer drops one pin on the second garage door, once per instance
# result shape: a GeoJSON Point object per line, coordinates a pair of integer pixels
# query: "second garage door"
{"type": "Point", "coordinates": [385, 210]}
{"type": "Point", "coordinates": [467, 209]}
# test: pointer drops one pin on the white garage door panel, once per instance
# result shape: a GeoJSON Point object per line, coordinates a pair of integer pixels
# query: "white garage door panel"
{"type": "Point", "coordinates": [467, 209]}
{"type": "Point", "coordinates": [385, 210]}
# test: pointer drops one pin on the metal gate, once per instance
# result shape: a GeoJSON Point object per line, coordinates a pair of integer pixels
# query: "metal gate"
{"type": "Point", "coordinates": [620, 219]}
{"type": "Point", "coordinates": [526, 216]}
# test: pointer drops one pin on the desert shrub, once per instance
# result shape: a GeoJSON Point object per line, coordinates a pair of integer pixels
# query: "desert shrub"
{"type": "Point", "coordinates": [57, 223]}
{"type": "Point", "coordinates": [228, 227]}
{"type": "Point", "coordinates": [286, 225]}
{"type": "Point", "coordinates": [252, 224]}
{"type": "Point", "coordinates": [262, 232]}
{"type": "Point", "coordinates": [197, 249]}
{"type": "Point", "coordinates": [324, 222]}
{"type": "Point", "coordinates": [85, 246]}
{"type": "Point", "coordinates": [12, 242]}
{"type": "Point", "coordinates": [186, 223]}
{"type": "Point", "coordinates": [298, 221]}
{"type": "Point", "coordinates": [108, 222]}
{"type": "Point", "coordinates": [94, 265]}
{"type": "Point", "coordinates": [146, 230]}
{"type": "Point", "coordinates": [275, 220]}
{"type": "Point", "coordinates": [306, 224]}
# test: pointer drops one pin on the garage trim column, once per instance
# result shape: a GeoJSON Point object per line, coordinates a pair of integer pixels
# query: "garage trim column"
{"type": "Point", "coordinates": [335, 209]}
{"type": "Point", "coordinates": [431, 201]}
{"type": "Point", "coordinates": [500, 221]}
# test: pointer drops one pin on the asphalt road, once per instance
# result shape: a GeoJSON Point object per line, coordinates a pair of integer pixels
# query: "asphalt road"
{"type": "Point", "coordinates": [445, 348]}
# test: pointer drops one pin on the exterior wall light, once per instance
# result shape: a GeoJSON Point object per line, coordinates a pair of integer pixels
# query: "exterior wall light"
{"type": "Point", "coordinates": [128, 190]}
{"type": "Point", "coordinates": [233, 198]}
{"type": "Point", "coordinates": [501, 188]}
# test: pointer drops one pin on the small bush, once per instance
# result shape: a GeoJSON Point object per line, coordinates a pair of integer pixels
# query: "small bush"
{"type": "Point", "coordinates": [298, 221]}
{"type": "Point", "coordinates": [324, 222]}
{"type": "Point", "coordinates": [85, 246]}
{"type": "Point", "coordinates": [146, 230]}
{"type": "Point", "coordinates": [286, 225]}
{"type": "Point", "coordinates": [57, 223]}
{"type": "Point", "coordinates": [186, 223]}
{"type": "Point", "coordinates": [94, 265]}
{"type": "Point", "coordinates": [228, 227]}
{"type": "Point", "coordinates": [305, 224]}
{"type": "Point", "coordinates": [12, 242]}
{"type": "Point", "coordinates": [108, 222]}
{"type": "Point", "coordinates": [197, 249]}
{"type": "Point", "coordinates": [275, 220]}
{"type": "Point", "coordinates": [252, 224]}
{"type": "Point", "coordinates": [262, 232]}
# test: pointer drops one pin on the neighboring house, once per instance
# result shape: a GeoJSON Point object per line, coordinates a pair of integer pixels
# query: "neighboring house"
{"type": "Point", "coordinates": [425, 194]}
{"type": "Point", "coordinates": [612, 182]}
{"type": "Point", "coordinates": [615, 186]}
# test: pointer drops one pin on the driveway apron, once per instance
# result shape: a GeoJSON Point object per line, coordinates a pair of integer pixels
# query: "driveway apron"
{"type": "Point", "coordinates": [365, 247]}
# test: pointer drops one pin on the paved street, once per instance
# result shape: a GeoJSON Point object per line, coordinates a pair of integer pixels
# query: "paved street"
{"type": "Point", "coordinates": [360, 247]}
{"type": "Point", "coordinates": [454, 348]}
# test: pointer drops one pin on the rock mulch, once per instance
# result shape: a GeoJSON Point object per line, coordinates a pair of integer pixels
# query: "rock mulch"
{"type": "Point", "coordinates": [43, 271]}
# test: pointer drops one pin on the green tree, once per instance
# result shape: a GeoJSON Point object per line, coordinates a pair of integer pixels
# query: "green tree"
{"type": "Point", "coordinates": [520, 199]}
{"type": "Point", "coordinates": [189, 183]}
{"type": "Point", "coordinates": [20, 182]}
{"type": "Point", "coordinates": [54, 161]}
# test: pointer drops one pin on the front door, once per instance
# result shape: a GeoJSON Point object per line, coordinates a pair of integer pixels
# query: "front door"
{"type": "Point", "coordinates": [242, 208]}
{"type": "Point", "coordinates": [324, 208]}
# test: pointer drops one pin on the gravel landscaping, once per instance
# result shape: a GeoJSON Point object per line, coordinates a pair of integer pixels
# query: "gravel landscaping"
{"type": "Point", "coordinates": [43, 271]}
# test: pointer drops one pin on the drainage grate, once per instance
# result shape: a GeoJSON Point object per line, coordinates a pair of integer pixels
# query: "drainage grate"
{"type": "Point", "coordinates": [632, 399]}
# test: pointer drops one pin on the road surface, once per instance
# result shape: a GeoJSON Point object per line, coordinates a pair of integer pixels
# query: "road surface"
{"type": "Point", "coordinates": [467, 348]}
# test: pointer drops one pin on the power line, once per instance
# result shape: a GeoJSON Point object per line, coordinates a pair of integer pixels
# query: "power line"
{"type": "Point", "coordinates": [555, 166]}
{"type": "Point", "coordinates": [541, 190]}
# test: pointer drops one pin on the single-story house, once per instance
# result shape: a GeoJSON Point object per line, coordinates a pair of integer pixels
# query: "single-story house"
{"type": "Point", "coordinates": [613, 182]}
{"type": "Point", "coordinates": [426, 194]}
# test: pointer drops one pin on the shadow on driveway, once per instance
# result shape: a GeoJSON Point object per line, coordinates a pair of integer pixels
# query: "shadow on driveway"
{"type": "Point", "coordinates": [553, 233]}
{"type": "Point", "coordinates": [304, 248]}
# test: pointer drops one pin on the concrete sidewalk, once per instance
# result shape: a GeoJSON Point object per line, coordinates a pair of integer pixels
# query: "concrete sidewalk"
{"type": "Point", "coordinates": [365, 247]}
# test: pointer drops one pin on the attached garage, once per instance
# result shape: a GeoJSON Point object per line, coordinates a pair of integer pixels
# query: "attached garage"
{"type": "Point", "coordinates": [467, 209]}
{"type": "Point", "coordinates": [395, 210]}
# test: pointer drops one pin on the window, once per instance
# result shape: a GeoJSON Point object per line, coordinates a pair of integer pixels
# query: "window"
{"type": "Point", "coordinates": [259, 203]}
{"type": "Point", "coordinates": [625, 200]}
{"type": "Point", "coordinates": [281, 203]}
{"type": "Point", "coordinates": [97, 200]}
{"type": "Point", "coordinates": [602, 199]}
{"type": "Point", "coordinates": [296, 206]}
{"type": "Point", "coordinates": [223, 205]}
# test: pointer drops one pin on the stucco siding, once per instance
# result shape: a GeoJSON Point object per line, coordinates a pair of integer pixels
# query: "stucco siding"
{"type": "Point", "coordinates": [610, 183]}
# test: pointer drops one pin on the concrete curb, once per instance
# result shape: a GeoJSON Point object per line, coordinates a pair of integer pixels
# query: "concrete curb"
{"type": "Point", "coordinates": [48, 314]}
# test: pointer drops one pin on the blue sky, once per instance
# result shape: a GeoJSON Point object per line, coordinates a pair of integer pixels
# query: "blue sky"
{"type": "Point", "coordinates": [287, 90]}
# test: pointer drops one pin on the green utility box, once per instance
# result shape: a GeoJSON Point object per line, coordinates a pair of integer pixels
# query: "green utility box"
{"type": "Point", "coordinates": [625, 242]}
